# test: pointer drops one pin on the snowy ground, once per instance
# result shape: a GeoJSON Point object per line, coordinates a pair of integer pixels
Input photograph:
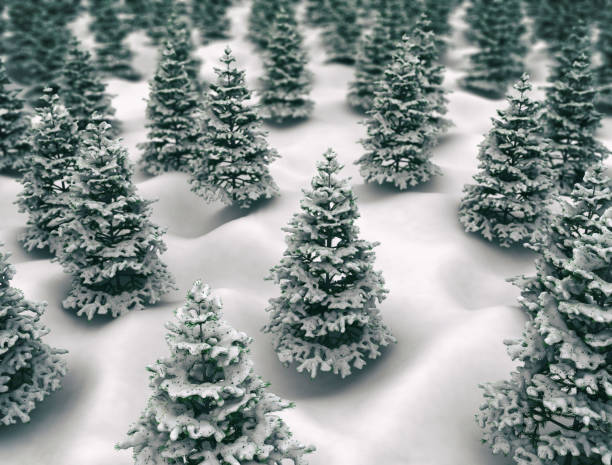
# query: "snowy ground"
{"type": "Point", "coordinates": [449, 306]}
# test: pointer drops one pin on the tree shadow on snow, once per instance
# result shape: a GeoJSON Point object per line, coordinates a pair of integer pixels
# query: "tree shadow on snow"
{"type": "Point", "coordinates": [374, 192]}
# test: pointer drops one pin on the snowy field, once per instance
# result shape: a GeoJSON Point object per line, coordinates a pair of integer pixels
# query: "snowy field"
{"type": "Point", "coordinates": [449, 304]}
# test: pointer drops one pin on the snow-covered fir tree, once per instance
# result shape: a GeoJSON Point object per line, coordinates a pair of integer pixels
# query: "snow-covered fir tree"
{"type": "Point", "coordinates": [113, 55]}
{"type": "Point", "coordinates": [603, 72]}
{"type": "Point", "coordinates": [178, 32]}
{"type": "Point", "coordinates": [261, 17]}
{"type": "Point", "coordinates": [316, 12]}
{"type": "Point", "coordinates": [137, 13]}
{"type": "Point", "coordinates": [171, 109]}
{"type": "Point", "coordinates": [47, 180]}
{"type": "Point", "coordinates": [497, 31]}
{"type": "Point", "coordinates": [507, 202]}
{"type": "Point", "coordinates": [210, 17]}
{"type": "Point", "coordinates": [158, 13]}
{"type": "Point", "coordinates": [29, 369]}
{"type": "Point", "coordinates": [82, 89]}
{"type": "Point", "coordinates": [438, 13]}
{"type": "Point", "coordinates": [207, 405]}
{"type": "Point", "coordinates": [571, 117]}
{"type": "Point", "coordinates": [108, 243]}
{"type": "Point", "coordinates": [555, 408]}
{"type": "Point", "coordinates": [400, 127]}
{"type": "Point", "coordinates": [395, 16]}
{"type": "Point", "coordinates": [342, 31]}
{"type": "Point", "coordinates": [234, 167]}
{"type": "Point", "coordinates": [286, 83]}
{"type": "Point", "coordinates": [15, 145]}
{"type": "Point", "coordinates": [374, 53]}
{"type": "Point", "coordinates": [326, 317]}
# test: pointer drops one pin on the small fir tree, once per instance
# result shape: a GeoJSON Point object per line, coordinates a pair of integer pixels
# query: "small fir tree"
{"type": "Point", "coordinates": [15, 144]}
{"type": "Point", "coordinates": [507, 203]}
{"type": "Point", "coordinates": [171, 109]}
{"type": "Point", "coordinates": [47, 180]}
{"type": "Point", "coordinates": [395, 16]}
{"type": "Point", "coordinates": [108, 243]}
{"type": "Point", "coordinates": [29, 369]}
{"type": "Point", "coordinates": [400, 129]}
{"type": "Point", "coordinates": [179, 34]}
{"type": "Point", "coordinates": [604, 70]}
{"type": "Point", "coordinates": [325, 318]}
{"type": "Point", "coordinates": [571, 117]}
{"type": "Point", "coordinates": [261, 17]}
{"type": "Point", "coordinates": [438, 13]}
{"type": "Point", "coordinates": [555, 407]}
{"type": "Point", "coordinates": [82, 89]}
{"type": "Point", "coordinates": [208, 406]}
{"type": "Point", "coordinates": [498, 34]}
{"type": "Point", "coordinates": [210, 17]}
{"type": "Point", "coordinates": [286, 83]}
{"type": "Point", "coordinates": [159, 12]}
{"type": "Point", "coordinates": [342, 33]}
{"type": "Point", "coordinates": [235, 167]}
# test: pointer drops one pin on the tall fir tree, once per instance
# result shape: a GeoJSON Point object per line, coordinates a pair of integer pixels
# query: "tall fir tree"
{"type": "Point", "coordinates": [47, 180]}
{"type": "Point", "coordinates": [603, 72]}
{"type": "Point", "coordinates": [210, 17]}
{"type": "Point", "coordinates": [171, 110]}
{"type": "Point", "coordinates": [507, 203]}
{"type": "Point", "coordinates": [207, 405]}
{"type": "Point", "coordinates": [108, 243]}
{"type": "Point", "coordinates": [15, 143]}
{"type": "Point", "coordinates": [342, 32]}
{"type": "Point", "coordinates": [82, 89]}
{"type": "Point", "coordinates": [571, 117]}
{"type": "Point", "coordinates": [555, 408]}
{"type": "Point", "coordinates": [498, 32]}
{"type": "Point", "coordinates": [400, 129]}
{"type": "Point", "coordinates": [235, 166]}
{"type": "Point", "coordinates": [286, 83]}
{"type": "Point", "coordinates": [29, 369]}
{"type": "Point", "coordinates": [326, 317]}
{"type": "Point", "coordinates": [113, 55]}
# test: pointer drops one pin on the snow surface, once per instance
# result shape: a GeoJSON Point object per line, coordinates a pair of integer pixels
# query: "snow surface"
{"type": "Point", "coordinates": [449, 306]}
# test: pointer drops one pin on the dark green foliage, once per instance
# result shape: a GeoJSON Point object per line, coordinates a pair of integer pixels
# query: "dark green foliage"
{"type": "Point", "coordinates": [571, 117]}
{"type": "Point", "coordinates": [82, 90]}
{"type": "Point", "coordinates": [507, 203]}
{"type": "Point", "coordinates": [342, 32]}
{"type": "Point", "coordinates": [210, 17]}
{"type": "Point", "coordinates": [603, 72]}
{"type": "Point", "coordinates": [137, 12]}
{"type": "Point", "coordinates": [15, 145]}
{"type": "Point", "coordinates": [326, 317]}
{"type": "Point", "coordinates": [178, 32]}
{"type": "Point", "coordinates": [438, 13]}
{"type": "Point", "coordinates": [400, 125]}
{"type": "Point", "coordinates": [395, 17]}
{"type": "Point", "coordinates": [497, 30]}
{"type": "Point", "coordinates": [317, 12]}
{"type": "Point", "coordinates": [106, 239]}
{"type": "Point", "coordinates": [286, 83]}
{"type": "Point", "coordinates": [235, 166]}
{"type": "Point", "coordinates": [261, 18]}
{"type": "Point", "coordinates": [159, 11]}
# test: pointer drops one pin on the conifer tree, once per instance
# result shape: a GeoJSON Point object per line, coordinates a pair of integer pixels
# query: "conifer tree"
{"type": "Point", "coordinates": [555, 407]}
{"type": "Point", "coordinates": [261, 17]}
{"type": "Point", "coordinates": [604, 70]}
{"type": "Point", "coordinates": [438, 13]}
{"type": "Point", "coordinates": [235, 167]}
{"type": "Point", "coordinates": [108, 243]}
{"type": "Point", "coordinates": [316, 12]}
{"type": "Point", "coordinates": [82, 90]}
{"type": "Point", "coordinates": [507, 202]}
{"type": "Point", "coordinates": [374, 53]}
{"type": "Point", "coordinates": [325, 318]}
{"type": "Point", "coordinates": [137, 12]}
{"type": "Point", "coordinates": [15, 145]}
{"type": "Point", "coordinates": [342, 32]}
{"type": "Point", "coordinates": [210, 17]}
{"type": "Point", "coordinates": [113, 55]}
{"type": "Point", "coordinates": [171, 109]}
{"type": "Point", "coordinates": [571, 117]}
{"type": "Point", "coordinates": [497, 32]}
{"type": "Point", "coordinates": [208, 406]}
{"type": "Point", "coordinates": [400, 128]}
{"type": "Point", "coordinates": [395, 17]}
{"type": "Point", "coordinates": [47, 180]}
{"type": "Point", "coordinates": [178, 33]}
{"type": "Point", "coordinates": [158, 13]}
{"type": "Point", "coordinates": [29, 369]}
{"type": "Point", "coordinates": [286, 83]}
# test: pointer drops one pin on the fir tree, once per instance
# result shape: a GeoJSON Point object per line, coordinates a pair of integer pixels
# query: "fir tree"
{"type": "Point", "coordinates": [401, 132]}
{"type": "Point", "coordinates": [29, 369]}
{"type": "Point", "coordinates": [438, 13]}
{"type": "Point", "coordinates": [571, 117]}
{"type": "Point", "coordinates": [342, 32]}
{"type": "Point", "coordinates": [604, 70]}
{"type": "Point", "coordinates": [179, 35]}
{"type": "Point", "coordinates": [507, 202]}
{"type": "Point", "coordinates": [113, 56]}
{"type": "Point", "coordinates": [395, 17]}
{"type": "Point", "coordinates": [158, 13]}
{"type": "Point", "coordinates": [235, 169]}
{"type": "Point", "coordinates": [261, 18]}
{"type": "Point", "coordinates": [15, 145]}
{"type": "Point", "coordinates": [498, 31]}
{"type": "Point", "coordinates": [210, 17]}
{"type": "Point", "coordinates": [108, 243]}
{"type": "Point", "coordinates": [325, 318]}
{"type": "Point", "coordinates": [47, 180]}
{"type": "Point", "coordinates": [286, 83]}
{"type": "Point", "coordinates": [555, 408]}
{"type": "Point", "coordinates": [137, 12]}
{"type": "Point", "coordinates": [171, 109]}
{"type": "Point", "coordinates": [317, 12]}
{"type": "Point", "coordinates": [208, 406]}
{"type": "Point", "coordinates": [82, 89]}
